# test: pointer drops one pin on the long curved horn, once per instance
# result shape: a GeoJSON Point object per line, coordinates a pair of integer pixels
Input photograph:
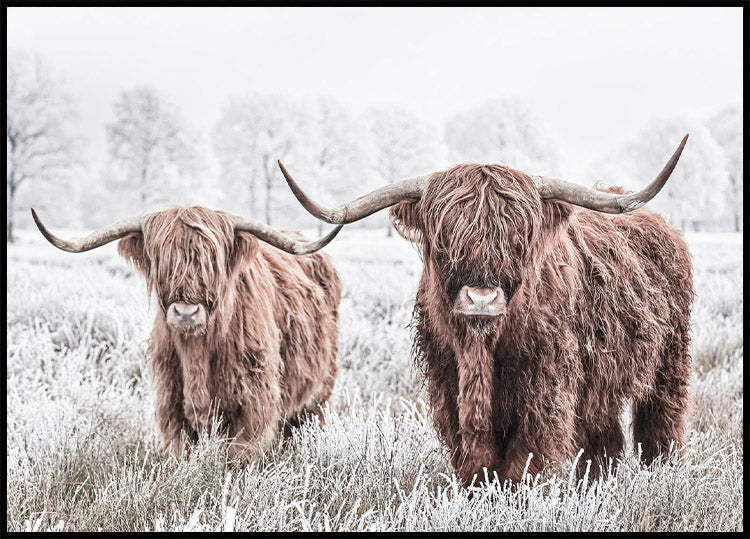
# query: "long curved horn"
{"type": "Point", "coordinates": [280, 240]}
{"type": "Point", "coordinates": [122, 228]}
{"type": "Point", "coordinates": [95, 239]}
{"type": "Point", "coordinates": [357, 209]}
{"type": "Point", "coordinates": [606, 202]}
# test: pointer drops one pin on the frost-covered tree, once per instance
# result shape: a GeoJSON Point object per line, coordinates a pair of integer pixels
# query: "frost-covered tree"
{"type": "Point", "coordinates": [252, 133]}
{"type": "Point", "coordinates": [333, 152]}
{"type": "Point", "coordinates": [42, 149]}
{"type": "Point", "coordinates": [503, 131]}
{"type": "Point", "coordinates": [401, 145]}
{"type": "Point", "coordinates": [154, 150]}
{"type": "Point", "coordinates": [694, 196]}
{"type": "Point", "coordinates": [726, 128]}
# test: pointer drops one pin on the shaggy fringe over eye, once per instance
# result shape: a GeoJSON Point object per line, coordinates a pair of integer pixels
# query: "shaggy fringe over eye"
{"type": "Point", "coordinates": [483, 217]}
{"type": "Point", "coordinates": [190, 262]}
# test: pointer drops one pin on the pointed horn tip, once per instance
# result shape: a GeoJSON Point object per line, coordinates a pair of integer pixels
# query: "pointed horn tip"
{"type": "Point", "coordinates": [678, 151]}
{"type": "Point", "coordinates": [287, 176]}
{"type": "Point", "coordinates": [317, 245]}
{"type": "Point", "coordinates": [54, 240]}
{"type": "Point", "coordinates": [332, 234]}
{"type": "Point", "coordinates": [296, 189]}
{"type": "Point", "coordinates": [38, 222]}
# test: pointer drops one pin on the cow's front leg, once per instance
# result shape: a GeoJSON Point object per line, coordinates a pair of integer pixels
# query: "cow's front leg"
{"type": "Point", "coordinates": [258, 417]}
{"type": "Point", "coordinates": [544, 435]}
{"type": "Point", "coordinates": [520, 451]}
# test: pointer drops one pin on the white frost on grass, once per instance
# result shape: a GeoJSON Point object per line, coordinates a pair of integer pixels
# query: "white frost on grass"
{"type": "Point", "coordinates": [83, 446]}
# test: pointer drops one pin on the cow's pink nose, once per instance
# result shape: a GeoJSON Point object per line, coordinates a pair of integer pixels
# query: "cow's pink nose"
{"type": "Point", "coordinates": [185, 310]}
{"type": "Point", "coordinates": [481, 296]}
{"type": "Point", "coordinates": [480, 301]}
{"type": "Point", "coordinates": [184, 314]}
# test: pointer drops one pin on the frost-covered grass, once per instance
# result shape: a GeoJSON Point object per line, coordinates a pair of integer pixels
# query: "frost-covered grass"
{"type": "Point", "coordinates": [83, 446]}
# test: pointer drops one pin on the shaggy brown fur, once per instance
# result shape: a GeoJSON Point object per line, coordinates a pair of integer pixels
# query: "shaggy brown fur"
{"type": "Point", "coordinates": [598, 315]}
{"type": "Point", "coordinates": [267, 354]}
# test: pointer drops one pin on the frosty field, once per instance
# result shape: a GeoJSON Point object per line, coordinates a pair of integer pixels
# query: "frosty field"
{"type": "Point", "coordinates": [83, 448]}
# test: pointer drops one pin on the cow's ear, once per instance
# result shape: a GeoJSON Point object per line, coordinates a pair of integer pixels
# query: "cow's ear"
{"type": "Point", "coordinates": [244, 248]}
{"type": "Point", "coordinates": [132, 248]}
{"type": "Point", "coordinates": [406, 217]}
{"type": "Point", "coordinates": [555, 213]}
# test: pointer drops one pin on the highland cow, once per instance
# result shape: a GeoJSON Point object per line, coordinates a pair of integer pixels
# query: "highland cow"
{"type": "Point", "coordinates": [543, 308]}
{"type": "Point", "coordinates": [245, 331]}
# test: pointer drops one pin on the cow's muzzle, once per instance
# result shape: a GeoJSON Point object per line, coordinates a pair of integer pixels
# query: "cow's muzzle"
{"type": "Point", "coordinates": [480, 302]}
{"type": "Point", "coordinates": [184, 316]}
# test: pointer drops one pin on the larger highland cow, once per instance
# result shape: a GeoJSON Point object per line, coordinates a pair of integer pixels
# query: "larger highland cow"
{"type": "Point", "coordinates": [246, 330]}
{"type": "Point", "coordinates": [541, 311]}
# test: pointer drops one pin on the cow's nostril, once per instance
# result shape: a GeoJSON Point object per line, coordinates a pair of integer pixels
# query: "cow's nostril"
{"type": "Point", "coordinates": [481, 298]}
{"type": "Point", "coordinates": [186, 314]}
{"type": "Point", "coordinates": [480, 301]}
{"type": "Point", "coordinates": [187, 310]}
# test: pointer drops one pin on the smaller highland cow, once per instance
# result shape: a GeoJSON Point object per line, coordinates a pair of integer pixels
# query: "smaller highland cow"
{"type": "Point", "coordinates": [543, 308]}
{"type": "Point", "coordinates": [246, 329]}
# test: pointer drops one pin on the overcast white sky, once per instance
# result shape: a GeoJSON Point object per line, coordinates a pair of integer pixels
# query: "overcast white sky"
{"type": "Point", "coordinates": [595, 76]}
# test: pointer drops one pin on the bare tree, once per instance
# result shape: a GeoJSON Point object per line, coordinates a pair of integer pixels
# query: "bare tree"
{"type": "Point", "coordinates": [252, 133]}
{"type": "Point", "coordinates": [333, 150]}
{"type": "Point", "coordinates": [40, 144]}
{"type": "Point", "coordinates": [726, 128]}
{"type": "Point", "coordinates": [151, 143]}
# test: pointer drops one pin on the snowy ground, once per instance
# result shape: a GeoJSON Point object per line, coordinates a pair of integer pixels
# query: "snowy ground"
{"type": "Point", "coordinates": [83, 446]}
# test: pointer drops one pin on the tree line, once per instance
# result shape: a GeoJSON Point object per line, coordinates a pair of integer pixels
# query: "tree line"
{"type": "Point", "coordinates": [156, 158]}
